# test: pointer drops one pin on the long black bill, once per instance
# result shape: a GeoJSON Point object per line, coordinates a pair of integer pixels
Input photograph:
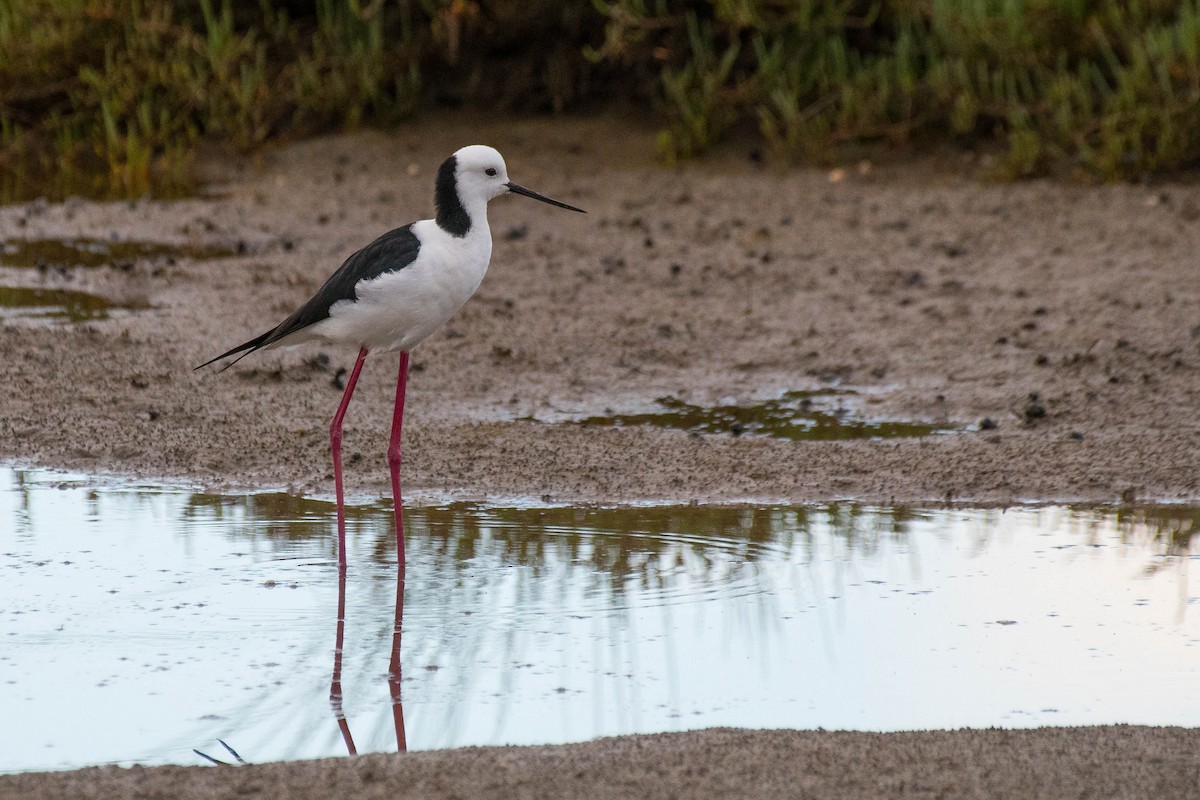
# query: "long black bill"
{"type": "Point", "coordinates": [512, 187]}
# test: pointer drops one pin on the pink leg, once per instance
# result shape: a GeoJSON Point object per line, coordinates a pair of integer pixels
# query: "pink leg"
{"type": "Point", "coordinates": [393, 458]}
{"type": "Point", "coordinates": [335, 444]}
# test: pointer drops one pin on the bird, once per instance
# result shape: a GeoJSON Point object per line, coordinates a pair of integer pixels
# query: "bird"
{"type": "Point", "coordinates": [394, 293]}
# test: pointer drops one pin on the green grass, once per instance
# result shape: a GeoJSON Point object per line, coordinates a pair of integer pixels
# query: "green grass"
{"type": "Point", "coordinates": [1099, 89]}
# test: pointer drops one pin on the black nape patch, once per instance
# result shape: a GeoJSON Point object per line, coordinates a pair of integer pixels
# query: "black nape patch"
{"type": "Point", "coordinates": [451, 216]}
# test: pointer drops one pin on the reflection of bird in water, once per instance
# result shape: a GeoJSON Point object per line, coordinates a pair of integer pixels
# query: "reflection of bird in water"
{"type": "Point", "coordinates": [395, 292]}
{"type": "Point", "coordinates": [393, 675]}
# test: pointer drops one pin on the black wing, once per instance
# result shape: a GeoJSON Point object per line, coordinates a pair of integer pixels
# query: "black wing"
{"type": "Point", "coordinates": [391, 252]}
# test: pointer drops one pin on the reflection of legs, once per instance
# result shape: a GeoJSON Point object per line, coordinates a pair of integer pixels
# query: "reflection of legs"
{"type": "Point", "coordinates": [393, 458]}
{"type": "Point", "coordinates": [335, 686]}
{"type": "Point", "coordinates": [335, 444]}
{"type": "Point", "coordinates": [394, 671]}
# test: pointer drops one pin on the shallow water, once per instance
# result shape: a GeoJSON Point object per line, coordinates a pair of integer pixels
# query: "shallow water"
{"type": "Point", "coordinates": [53, 304]}
{"type": "Point", "coordinates": [140, 622]}
{"type": "Point", "coordinates": [798, 415]}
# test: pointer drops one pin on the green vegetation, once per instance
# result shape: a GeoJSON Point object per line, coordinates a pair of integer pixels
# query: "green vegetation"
{"type": "Point", "coordinates": [1101, 88]}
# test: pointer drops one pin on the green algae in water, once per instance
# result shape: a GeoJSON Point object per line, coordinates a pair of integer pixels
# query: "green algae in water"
{"type": "Point", "coordinates": [67, 304]}
{"type": "Point", "coordinates": [43, 253]}
{"type": "Point", "coordinates": [800, 416]}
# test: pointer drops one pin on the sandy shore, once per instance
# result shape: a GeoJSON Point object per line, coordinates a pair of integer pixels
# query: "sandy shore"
{"type": "Point", "coordinates": [1058, 763]}
{"type": "Point", "coordinates": [1067, 317]}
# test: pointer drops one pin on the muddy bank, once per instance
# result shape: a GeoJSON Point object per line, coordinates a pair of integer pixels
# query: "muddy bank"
{"type": "Point", "coordinates": [719, 763]}
{"type": "Point", "coordinates": [1058, 325]}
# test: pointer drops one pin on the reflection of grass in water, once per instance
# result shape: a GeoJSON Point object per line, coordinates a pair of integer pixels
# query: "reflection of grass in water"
{"type": "Point", "coordinates": [647, 549]}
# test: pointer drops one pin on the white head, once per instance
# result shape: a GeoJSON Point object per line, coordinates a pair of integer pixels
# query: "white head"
{"type": "Point", "coordinates": [468, 180]}
{"type": "Point", "coordinates": [479, 171]}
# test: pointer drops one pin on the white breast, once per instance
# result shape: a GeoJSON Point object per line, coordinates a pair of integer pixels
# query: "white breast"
{"type": "Point", "coordinates": [398, 310]}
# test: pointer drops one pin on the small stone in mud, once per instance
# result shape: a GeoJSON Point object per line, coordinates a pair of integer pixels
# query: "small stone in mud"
{"type": "Point", "coordinates": [1041, 361]}
{"type": "Point", "coordinates": [951, 250]}
{"type": "Point", "coordinates": [1034, 410]}
{"type": "Point", "coordinates": [1076, 435]}
{"type": "Point", "coordinates": [987, 424]}
{"type": "Point", "coordinates": [138, 382]}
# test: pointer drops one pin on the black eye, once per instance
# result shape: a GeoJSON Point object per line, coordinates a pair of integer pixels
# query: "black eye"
{"type": "Point", "coordinates": [490, 172]}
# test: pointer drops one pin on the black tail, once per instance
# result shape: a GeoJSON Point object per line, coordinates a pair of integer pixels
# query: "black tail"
{"type": "Point", "coordinates": [249, 347]}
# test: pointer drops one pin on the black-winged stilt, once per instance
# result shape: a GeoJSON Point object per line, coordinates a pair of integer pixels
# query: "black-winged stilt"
{"type": "Point", "coordinates": [395, 292]}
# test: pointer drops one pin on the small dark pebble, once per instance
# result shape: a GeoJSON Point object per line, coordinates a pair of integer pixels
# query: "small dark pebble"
{"type": "Point", "coordinates": [1041, 361]}
{"type": "Point", "coordinates": [1034, 410]}
{"type": "Point", "coordinates": [1076, 435]}
{"type": "Point", "coordinates": [987, 424]}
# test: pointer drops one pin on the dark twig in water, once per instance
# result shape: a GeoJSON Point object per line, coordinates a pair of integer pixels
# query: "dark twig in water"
{"type": "Point", "coordinates": [218, 761]}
